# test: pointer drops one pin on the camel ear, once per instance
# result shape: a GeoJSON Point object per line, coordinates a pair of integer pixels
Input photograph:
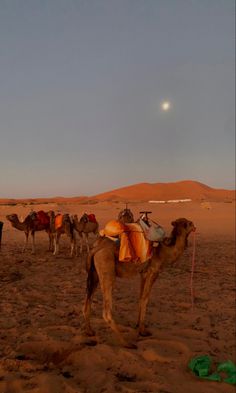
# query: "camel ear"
{"type": "Point", "coordinates": [173, 223]}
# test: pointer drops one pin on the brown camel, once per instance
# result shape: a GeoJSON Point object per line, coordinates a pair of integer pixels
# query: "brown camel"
{"type": "Point", "coordinates": [103, 266]}
{"type": "Point", "coordinates": [126, 216]}
{"type": "Point", "coordinates": [84, 226]}
{"type": "Point", "coordinates": [31, 224]}
{"type": "Point", "coordinates": [62, 224]}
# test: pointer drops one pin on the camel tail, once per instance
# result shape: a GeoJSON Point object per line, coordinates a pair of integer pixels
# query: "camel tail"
{"type": "Point", "coordinates": [92, 279]}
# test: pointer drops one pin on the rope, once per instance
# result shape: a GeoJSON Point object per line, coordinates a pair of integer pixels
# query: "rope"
{"type": "Point", "coordinates": [192, 270]}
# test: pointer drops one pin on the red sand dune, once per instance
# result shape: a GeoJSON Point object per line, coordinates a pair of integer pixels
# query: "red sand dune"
{"type": "Point", "coordinates": [141, 192]}
{"type": "Point", "coordinates": [165, 191]}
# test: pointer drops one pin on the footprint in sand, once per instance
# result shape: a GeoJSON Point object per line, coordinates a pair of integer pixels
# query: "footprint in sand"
{"type": "Point", "coordinates": [164, 350]}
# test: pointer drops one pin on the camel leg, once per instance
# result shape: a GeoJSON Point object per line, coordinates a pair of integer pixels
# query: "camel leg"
{"type": "Point", "coordinates": [56, 243]}
{"type": "Point", "coordinates": [50, 235]}
{"type": "Point", "coordinates": [106, 274]}
{"type": "Point", "coordinates": [26, 241]}
{"type": "Point", "coordinates": [146, 286]}
{"type": "Point", "coordinates": [33, 242]}
{"type": "Point", "coordinates": [86, 242]}
{"type": "Point", "coordinates": [81, 241]}
{"type": "Point", "coordinates": [73, 246]}
{"type": "Point", "coordinates": [92, 283]}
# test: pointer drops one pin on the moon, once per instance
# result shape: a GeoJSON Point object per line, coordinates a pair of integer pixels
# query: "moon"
{"type": "Point", "coordinates": [165, 106]}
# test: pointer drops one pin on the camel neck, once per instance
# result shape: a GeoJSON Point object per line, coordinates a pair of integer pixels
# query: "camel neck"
{"type": "Point", "coordinates": [169, 253]}
{"type": "Point", "coordinates": [19, 225]}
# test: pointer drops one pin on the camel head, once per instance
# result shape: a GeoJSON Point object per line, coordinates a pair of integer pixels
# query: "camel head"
{"type": "Point", "coordinates": [51, 214]}
{"type": "Point", "coordinates": [182, 226]}
{"type": "Point", "coordinates": [84, 219]}
{"type": "Point", "coordinates": [126, 216]}
{"type": "Point", "coordinates": [13, 218]}
{"type": "Point", "coordinates": [74, 218]}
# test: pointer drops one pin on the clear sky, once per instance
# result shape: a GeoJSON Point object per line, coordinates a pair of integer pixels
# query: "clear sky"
{"type": "Point", "coordinates": [81, 87]}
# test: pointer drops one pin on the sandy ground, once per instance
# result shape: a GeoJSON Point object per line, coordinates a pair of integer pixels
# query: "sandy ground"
{"type": "Point", "coordinates": [42, 344]}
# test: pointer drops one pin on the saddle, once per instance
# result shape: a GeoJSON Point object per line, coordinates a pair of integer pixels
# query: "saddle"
{"type": "Point", "coordinates": [92, 218]}
{"type": "Point", "coordinates": [133, 246]}
{"type": "Point", "coordinates": [60, 219]}
{"type": "Point", "coordinates": [41, 217]}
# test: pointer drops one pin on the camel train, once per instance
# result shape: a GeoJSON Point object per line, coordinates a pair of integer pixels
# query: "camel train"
{"type": "Point", "coordinates": [55, 225]}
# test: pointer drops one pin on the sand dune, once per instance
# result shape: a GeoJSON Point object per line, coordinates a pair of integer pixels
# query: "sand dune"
{"type": "Point", "coordinates": [166, 191]}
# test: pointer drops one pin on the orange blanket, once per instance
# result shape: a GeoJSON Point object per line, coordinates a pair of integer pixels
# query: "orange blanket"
{"type": "Point", "coordinates": [133, 245]}
{"type": "Point", "coordinates": [58, 221]}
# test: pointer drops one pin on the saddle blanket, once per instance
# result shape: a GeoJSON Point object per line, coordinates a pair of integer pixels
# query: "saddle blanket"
{"type": "Point", "coordinates": [133, 244]}
{"type": "Point", "coordinates": [43, 217]}
{"type": "Point", "coordinates": [92, 218]}
{"type": "Point", "coordinates": [58, 221]}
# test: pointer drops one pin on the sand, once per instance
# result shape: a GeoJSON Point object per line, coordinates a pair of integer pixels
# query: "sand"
{"type": "Point", "coordinates": [42, 344]}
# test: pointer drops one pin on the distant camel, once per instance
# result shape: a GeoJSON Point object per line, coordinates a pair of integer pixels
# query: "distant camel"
{"type": "Point", "coordinates": [87, 224]}
{"type": "Point", "coordinates": [1, 226]}
{"type": "Point", "coordinates": [33, 222]}
{"type": "Point", "coordinates": [103, 266]}
{"type": "Point", "coordinates": [62, 224]}
{"type": "Point", "coordinates": [126, 216]}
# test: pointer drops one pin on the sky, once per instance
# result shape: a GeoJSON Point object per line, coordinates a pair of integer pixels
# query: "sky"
{"type": "Point", "coordinates": [81, 88]}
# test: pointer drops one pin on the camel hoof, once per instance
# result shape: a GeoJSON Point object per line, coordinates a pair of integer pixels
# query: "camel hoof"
{"type": "Point", "coordinates": [145, 333]}
{"type": "Point", "coordinates": [90, 343]}
{"type": "Point", "coordinates": [130, 345]}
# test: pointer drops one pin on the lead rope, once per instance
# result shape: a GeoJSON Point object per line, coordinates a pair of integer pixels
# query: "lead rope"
{"type": "Point", "coordinates": [192, 270]}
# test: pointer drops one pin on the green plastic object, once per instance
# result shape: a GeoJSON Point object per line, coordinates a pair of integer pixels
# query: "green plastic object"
{"type": "Point", "coordinates": [201, 367]}
{"type": "Point", "coordinates": [230, 369]}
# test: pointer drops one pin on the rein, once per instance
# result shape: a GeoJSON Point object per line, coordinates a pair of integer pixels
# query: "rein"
{"type": "Point", "coordinates": [192, 270]}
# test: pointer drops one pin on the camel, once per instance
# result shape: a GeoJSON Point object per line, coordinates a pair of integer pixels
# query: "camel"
{"type": "Point", "coordinates": [30, 225]}
{"type": "Point", "coordinates": [84, 226]}
{"type": "Point", "coordinates": [62, 224]}
{"type": "Point", "coordinates": [126, 216]}
{"type": "Point", "coordinates": [103, 267]}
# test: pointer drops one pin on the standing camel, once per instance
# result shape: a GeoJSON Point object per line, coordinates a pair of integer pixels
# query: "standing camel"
{"type": "Point", "coordinates": [33, 222]}
{"type": "Point", "coordinates": [87, 224]}
{"type": "Point", "coordinates": [62, 224]}
{"type": "Point", "coordinates": [103, 266]}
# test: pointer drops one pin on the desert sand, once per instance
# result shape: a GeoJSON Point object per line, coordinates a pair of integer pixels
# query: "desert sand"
{"type": "Point", "coordinates": [42, 344]}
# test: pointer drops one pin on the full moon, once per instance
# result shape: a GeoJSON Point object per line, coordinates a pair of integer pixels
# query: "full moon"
{"type": "Point", "coordinates": [165, 106]}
